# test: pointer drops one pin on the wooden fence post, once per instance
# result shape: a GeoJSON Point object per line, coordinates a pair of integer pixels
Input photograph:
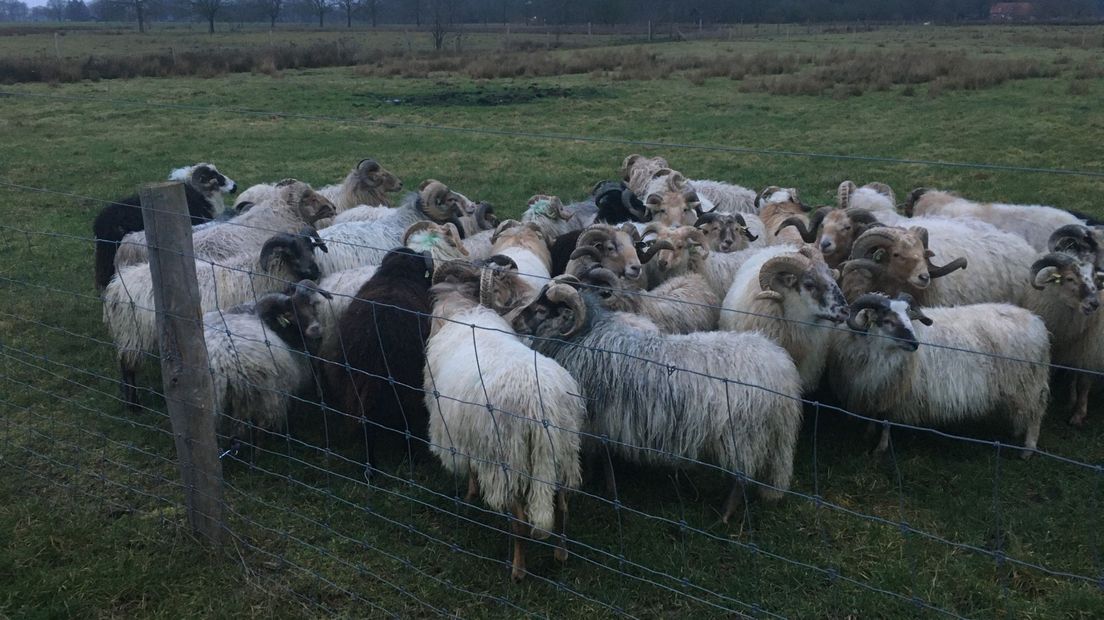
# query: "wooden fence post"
{"type": "Point", "coordinates": [187, 382]}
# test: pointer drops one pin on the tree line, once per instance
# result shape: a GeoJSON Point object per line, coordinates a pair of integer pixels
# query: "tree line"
{"type": "Point", "coordinates": [542, 12]}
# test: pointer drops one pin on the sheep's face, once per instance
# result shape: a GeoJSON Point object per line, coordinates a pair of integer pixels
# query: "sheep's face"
{"type": "Point", "coordinates": [724, 233]}
{"type": "Point", "coordinates": [805, 287]}
{"type": "Point", "coordinates": [674, 208]}
{"type": "Point", "coordinates": [673, 250]}
{"type": "Point", "coordinates": [553, 318]}
{"type": "Point", "coordinates": [903, 258]}
{"type": "Point", "coordinates": [836, 235]}
{"type": "Point", "coordinates": [890, 320]}
{"type": "Point", "coordinates": [612, 248]}
{"type": "Point", "coordinates": [460, 203]}
{"type": "Point", "coordinates": [1075, 283]}
{"type": "Point", "coordinates": [314, 206]}
{"type": "Point", "coordinates": [372, 178]}
{"type": "Point", "coordinates": [293, 315]}
{"type": "Point", "coordinates": [442, 241]}
{"type": "Point", "coordinates": [292, 254]}
{"type": "Point", "coordinates": [515, 234]}
{"type": "Point", "coordinates": [205, 178]}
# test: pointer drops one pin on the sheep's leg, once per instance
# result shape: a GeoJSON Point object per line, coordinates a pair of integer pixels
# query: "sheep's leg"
{"type": "Point", "coordinates": [473, 487]}
{"type": "Point", "coordinates": [1031, 437]}
{"type": "Point", "coordinates": [611, 479]}
{"type": "Point", "coordinates": [1082, 383]}
{"type": "Point", "coordinates": [128, 386]}
{"type": "Point", "coordinates": [519, 529]}
{"type": "Point", "coordinates": [735, 500]}
{"type": "Point", "coordinates": [561, 525]}
{"type": "Point", "coordinates": [883, 441]}
{"type": "Point", "coordinates": [871, 429]}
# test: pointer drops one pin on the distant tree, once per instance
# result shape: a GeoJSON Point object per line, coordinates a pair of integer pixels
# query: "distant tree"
{"type": "Point", "coordinates": [271, 10]}
{"type": "Point", "coordinates": [349, 6]}
{"type": "Point", "coordinates": [416, 6]}
{"type": "Point", "coordinates": [320, 8]}
{"type": "Point", "coordinates": [56, 9]}
{"type": "Point", "coordinates": [13, 11]}
{"type": "Point", "coordinates": [77, 11]}
{"type": "Point", "coordinates": [372, 7]}
{"type": "Point", "coordinates": [207, 9]}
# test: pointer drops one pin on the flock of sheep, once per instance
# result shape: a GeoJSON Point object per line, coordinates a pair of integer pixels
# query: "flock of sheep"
{"type": "Point", "coordinates": [663, 320]}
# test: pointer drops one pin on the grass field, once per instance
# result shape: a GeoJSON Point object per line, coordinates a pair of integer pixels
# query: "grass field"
{"type": "Point", "coordinates": [92, 517]}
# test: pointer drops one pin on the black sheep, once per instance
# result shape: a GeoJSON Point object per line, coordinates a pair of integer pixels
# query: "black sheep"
{"type": "Point", "coordinates": [202, 185]}
{"type": "Point", "coordinates": [616, 204]}
{"type": "Point", "coordinates": [381, 337]}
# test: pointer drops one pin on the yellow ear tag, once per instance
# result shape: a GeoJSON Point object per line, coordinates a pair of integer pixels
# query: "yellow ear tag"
{"type": "Point", "coordinates": [1056, 278]}
{"type": "Point", "coordinates": [283, 320]}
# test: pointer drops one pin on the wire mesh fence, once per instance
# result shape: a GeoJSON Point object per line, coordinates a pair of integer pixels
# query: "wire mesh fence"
{"type": "Point", "coordinates": [644, 450]}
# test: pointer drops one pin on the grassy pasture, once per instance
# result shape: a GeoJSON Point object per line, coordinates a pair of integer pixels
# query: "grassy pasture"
{"type": "Point", "coordinates": [92, 516]}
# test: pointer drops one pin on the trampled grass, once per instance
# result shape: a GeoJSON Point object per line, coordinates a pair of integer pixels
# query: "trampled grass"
{"type": "Point", "coordinates": [92, 494]}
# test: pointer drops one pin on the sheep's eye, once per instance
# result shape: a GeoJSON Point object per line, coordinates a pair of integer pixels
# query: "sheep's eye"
{"type": "Point", "coordinates": [846, 228]}
{"type": "Point", "coordinates": [896, 255]}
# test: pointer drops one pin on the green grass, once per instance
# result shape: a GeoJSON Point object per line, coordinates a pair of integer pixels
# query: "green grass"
{"type": "Point", "coordinates": [92, 515]}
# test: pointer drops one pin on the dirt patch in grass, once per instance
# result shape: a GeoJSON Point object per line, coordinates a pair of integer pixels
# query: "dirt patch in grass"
{"type": "Point", "coordinates": [484, 96]}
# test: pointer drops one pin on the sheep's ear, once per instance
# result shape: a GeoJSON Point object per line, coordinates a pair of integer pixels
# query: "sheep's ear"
{"type": "Point", "coordinates": [861, 320]}
{"type": "Point", "coordinates": [786, 279]}
{"type": "Point", "coordinates": [654, 201]}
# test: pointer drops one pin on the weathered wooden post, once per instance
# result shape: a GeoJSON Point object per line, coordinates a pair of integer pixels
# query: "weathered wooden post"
{"type": "Point", "coordinates": [186, 380]}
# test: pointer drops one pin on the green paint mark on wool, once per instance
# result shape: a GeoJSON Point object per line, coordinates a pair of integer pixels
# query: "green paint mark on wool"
{"type": "Point", "coordinates": [424, 241]}
{"type": "Point", "coordinates": [541, 207]}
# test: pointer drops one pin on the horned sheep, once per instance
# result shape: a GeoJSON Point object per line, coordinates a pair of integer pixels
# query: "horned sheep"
{"type": "Point", "coordinates": [974, 362]}
{"type": "Point", "coordinates": [669, 399]}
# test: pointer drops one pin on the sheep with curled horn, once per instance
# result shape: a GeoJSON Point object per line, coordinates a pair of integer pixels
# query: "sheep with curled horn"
{"type": "Point", "coordinates": [878, 199]}
{"type": "Point", "coordinates": [833, 230]}
{"type": "Point", "coordinates": [729, 399]}
{"type": "Point", "coordinates": [1034, 223]}
{"type": "Point", "coordinates": [790, 296]}
{"type": "Point", "coordinates": [672, 252]}
{"type": "Point", "coordinates": [355, 244]}
{"type": "Point", "coordinates": [680, 305]}
{"type": "Point", "coordinates": [129, 312]}
{"type": "Point", "coordinates": [671, 201]}
{"type": "Point", "coordinates": [1081, 241]}
{"type": "Point", "coordinates": [615, 248]}
{"type": "Point", "coordinates": [525, 244]}
{"type": "Point", "coordinates": [550, 215]}
{"type": "Point", "coordinates": [508, 418]}
{"type": "Point", "coordinates": [941, 366]}
{"type": "Point", "coordinates": [897, 259]}
{"type": "Point", "coordinates": [1066, 294]}
{"type": "Point", "coordinates": [638, 172]}
{"type": "Point", "coordinates": [729, 232]}
{"type": "Point", "coordinates": [293, 206]}
{"type": "Point", "coordinates": [362, 195]}
{"type": "Point", "coordinates": [776, 205]}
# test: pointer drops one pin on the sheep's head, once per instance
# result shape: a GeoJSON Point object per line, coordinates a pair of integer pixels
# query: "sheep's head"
{"type": "Point", "coordinates": [293, 314]}
{"type": "Point", "coordinates": [892, 319]}
{"type": "Point", "coordinates": [608, 246]}
{"type": "Point", "coordinates": [1076, 240]}
{"type": "Point", "coordinates": [373, 181]}
{"type": "Point", "coordinates": [725, 232]}
{"type": "Point", "coordinates": [833, 230]}
{"type": "Point", "coordinates": [293, 254]}
{"type": "Point", "coordinates": [672, 251]}
{"type": "Point", "coordinates": [847, 193]}
{"type": "Point", "coordinates": [1074, 281]}
{"type": "Point", "coordinates": [780, 195]}
{"type": "Point", "coordinates": [307, 204]}
{"type": "Point", "coordinates": [493, 283]}
{"type": "Point", "coordinates": [617, 203]}
{"type": "Point", "coordinates": [442, 241]}
{"type": "Point", "coordinates": [204, 178]}
{"type": "Point", "coordinates": [558, 312]}
{"type": "Point", "coordinates": [482, 219]}
{"type": "Point", "coordinates": [891, 260]}
{"type": "Point", "coordinates": [676, 204]}
{"type": "Point", "coordinates": [804, 285]}
{"type": "Point", "coordinates": [441, 204]}
{"type": "Point", "coordinates": [635, 162]}
{"type": "Point", "coordinates": [407, 264]}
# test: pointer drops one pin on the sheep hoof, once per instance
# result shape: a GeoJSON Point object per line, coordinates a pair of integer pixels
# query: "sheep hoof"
{"type": "Point", "coordinates": [1026, 453]}
{"type": "Point", "coordinates": [560, 554]}
{"type": "Point", "coordinates": [1078, 420]}
{"type": "Point", "coordinates": [517, 575]}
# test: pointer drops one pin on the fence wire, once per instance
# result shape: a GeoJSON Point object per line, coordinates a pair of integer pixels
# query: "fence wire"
{"type": "Point", "coordinates": [399, 537]}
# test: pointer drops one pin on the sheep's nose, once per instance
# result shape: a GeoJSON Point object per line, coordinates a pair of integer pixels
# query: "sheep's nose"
{"type": "Point", "coordinates": [825, 244]}
{"type": "Point", "coordinates": [924, 278]}
{"type": "Point", "coordinates": [632, 271]}
{"type": "Point", "coordinates": [662, 263]}
{"type": "Point", "coordinates": [726, 244]}
{"type": "Point", "coordinates": [1093, 305]}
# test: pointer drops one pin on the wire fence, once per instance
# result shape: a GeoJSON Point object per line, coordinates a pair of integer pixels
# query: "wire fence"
{"type": "Point", "coordinates": [318, 504]}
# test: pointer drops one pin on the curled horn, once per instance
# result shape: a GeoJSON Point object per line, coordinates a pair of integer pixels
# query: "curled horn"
{"type": "Point", "coordinates": [914, 312]}
{"type": "Point", "coordinates": [604, 281]}
{"type": "Point", "coordinates": [743, 228]}
{"type": "Point", "coordinates": [843, 194]}
{"type": "Point", "coordinates": [556, 208]}
{"type": "Point", "coordinates": [503, 227]}
{"type": "Point", "coordinates": [884, 190]}
{"type": "Point", "coordinates": [282, 241]}
{"type": "Point", "coordinates": [631, 231]}
{"type": "Point", "coordinates": [563, 293]}
{"type": "Point", "coordinates": [1073, 238]}
{"type": "Point", "coordinates": [434, 197]}
{"type": "Point", "coordinates": [808, 235]}
{"type": "Point", "coordinates": [708, 218]}
{"type": "Point", "coordinates": [460, 268]}
{"type": "Point", "coordinates": [936, 271]}
{"type": "Point", "coordinates": [593, 236]}
{"type": "Point", "coordinates": [485, 216]}
{"type": "Point", "coordinates": [487, 282]}
{"type": "Point", "coordinates": [787, 263]}
{"type": "Point", "coordinates": [307, 288]}
{"type": "Point", "coordinates": [628, 163]}
{"type": "Point", "coordinates": [658, 246]}
{"type": "Point", "coordinates": [1054, 259]}
{"type": "Point", "coordinates": [586, 250]}
{"type": "Point", "coordinates": [417, 227]}
{"type": "Point", "coordinates": [368, 165]}
{"type": "Point", "coordinates": [501, 261]}
{"type": "Point", "coordinates": [913, 197]}
{"type": "Point", "coordinates": [634, 206]}
{"type": "Point", "coordinates": [698, 237]}
{"type": "Point", "coordinates": [868, 301]}
{"type": "Point", "coordinates": [875, 239]}
{"type": "Point", "coordinates": [863, 219]}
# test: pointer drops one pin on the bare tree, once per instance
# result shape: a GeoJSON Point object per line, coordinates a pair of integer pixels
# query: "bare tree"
{"type": "Point", "coordinates": [272, 9]}
{"type": "Point", "coordinates": [207, 9]}
{"type": "Point", "coordinates": [139, 12]}
{"type": "Point", "coordinates": [349, 6]}
{"type": "Point", "coordinates": [320, 8]}
{"type": "Point", "coordinates": [444, 14]}
{"type": "Point", "coordinates": [56, 9]}
{"type": "Point", "coordinates": [373, 10]}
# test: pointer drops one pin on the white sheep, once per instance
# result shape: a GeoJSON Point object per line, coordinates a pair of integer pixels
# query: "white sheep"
{"type": "Point", "coordinates": [943, 365]}
{"type": "Point", "coordinates": [790, 296]}
{"type": "Point", "coordinates": [524, 243]}
{"type": "Point", "coordinates": [508, 417]}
